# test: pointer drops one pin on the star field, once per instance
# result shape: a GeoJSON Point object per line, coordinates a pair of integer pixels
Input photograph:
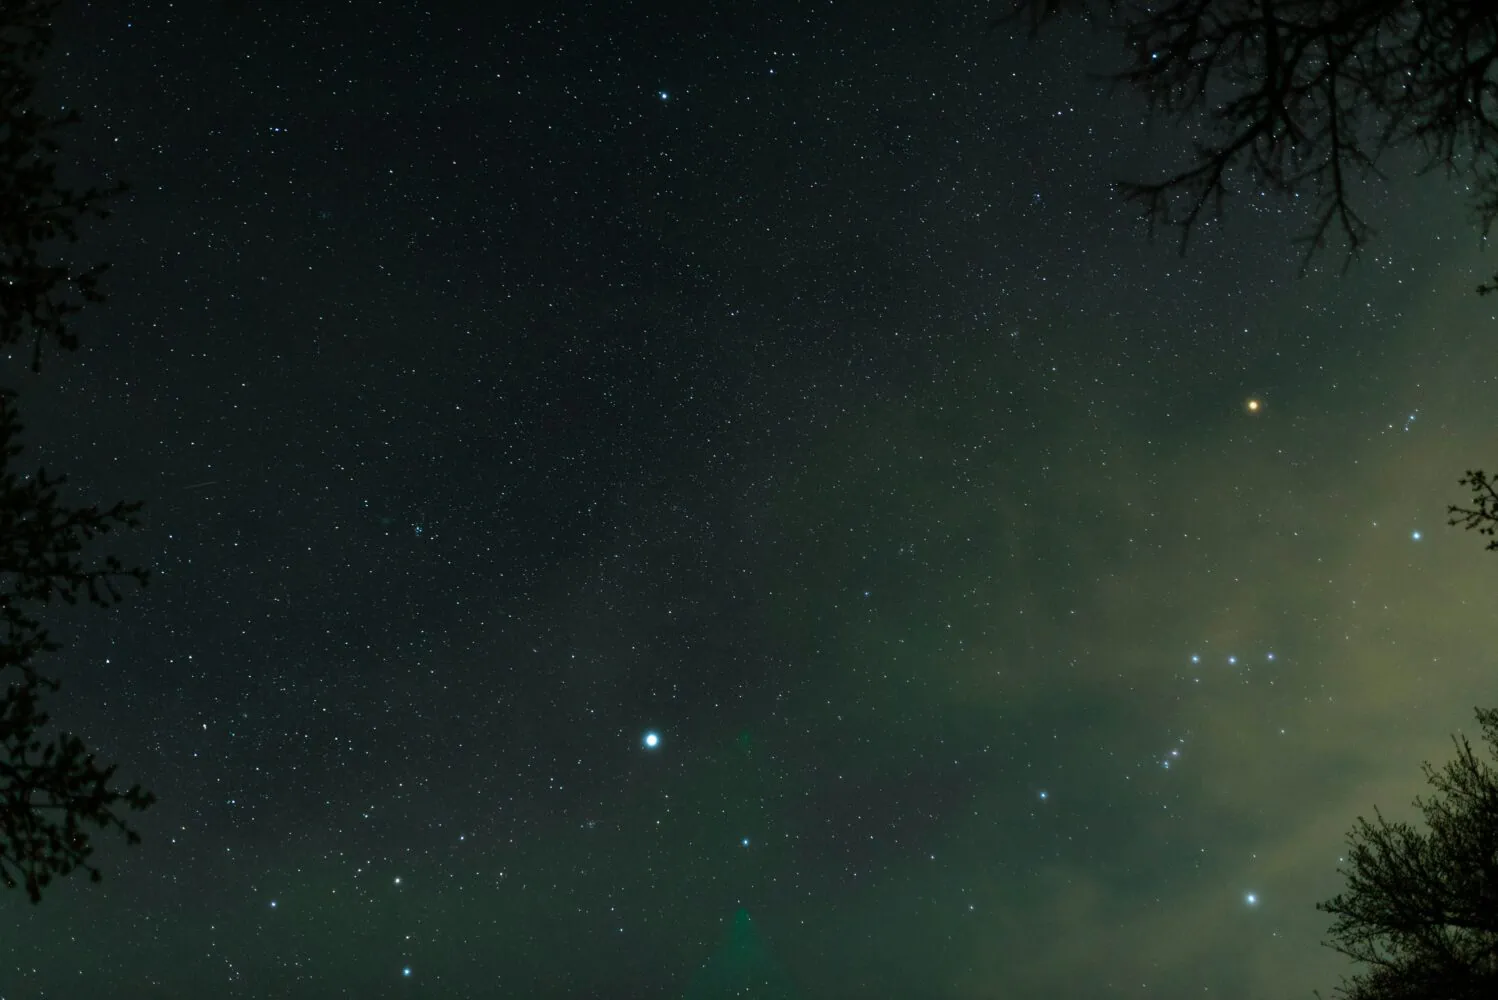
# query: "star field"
{"type": "Point", "coordinates": [674, 504]}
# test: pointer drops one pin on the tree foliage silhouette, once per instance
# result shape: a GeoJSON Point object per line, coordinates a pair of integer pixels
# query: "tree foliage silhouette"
{"type": "Point", "coordinates": [1421, 908]}
{"type": "Point", "coordinates": [1306, 97]}
{"type": "Point", "coordinates": [52, 790]}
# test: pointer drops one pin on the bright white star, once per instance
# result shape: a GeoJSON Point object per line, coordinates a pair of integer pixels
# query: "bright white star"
{"type": "Point", "coordinates": [652, 739]}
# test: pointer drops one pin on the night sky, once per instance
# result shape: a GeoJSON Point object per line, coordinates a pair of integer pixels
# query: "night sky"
{"type": "Point", "coordinates": [726, 501]}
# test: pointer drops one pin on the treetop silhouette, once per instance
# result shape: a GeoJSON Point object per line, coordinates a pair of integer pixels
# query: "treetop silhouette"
{"type": "Point", "coordinates": [1421, 908]}
{"type": "Point", "coordinates": [52, 790]}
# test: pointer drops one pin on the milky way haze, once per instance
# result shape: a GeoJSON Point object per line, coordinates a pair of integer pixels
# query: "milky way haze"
{"type": "Point", "coordinates": [655, 504]}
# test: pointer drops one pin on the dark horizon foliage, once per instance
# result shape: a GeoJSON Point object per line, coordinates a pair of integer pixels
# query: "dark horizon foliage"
{"type": "Point", "coordinates": [53, 792]}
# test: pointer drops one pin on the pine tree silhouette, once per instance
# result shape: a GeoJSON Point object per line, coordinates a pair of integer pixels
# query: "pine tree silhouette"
{"type": "Point", "coordinates": [53, 793]}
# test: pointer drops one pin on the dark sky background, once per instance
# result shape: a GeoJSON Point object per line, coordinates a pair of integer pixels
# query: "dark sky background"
{"type": "Point", "coordinates": [784, 379]}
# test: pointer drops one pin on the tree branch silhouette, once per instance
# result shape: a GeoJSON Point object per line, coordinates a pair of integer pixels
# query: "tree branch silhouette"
{"type": "Point", "coordinates": [1303, 97]}
{"type": "Point", "coordinates": [1421, 907]}
{"type": "Point", "coordinates": [53, 792]}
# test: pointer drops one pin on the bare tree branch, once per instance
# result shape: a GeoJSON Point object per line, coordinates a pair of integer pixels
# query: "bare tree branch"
{"type": "Point", "coordinates": [1306, 98]}
{"type": "Point", "coordinates": [1483, 516]}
